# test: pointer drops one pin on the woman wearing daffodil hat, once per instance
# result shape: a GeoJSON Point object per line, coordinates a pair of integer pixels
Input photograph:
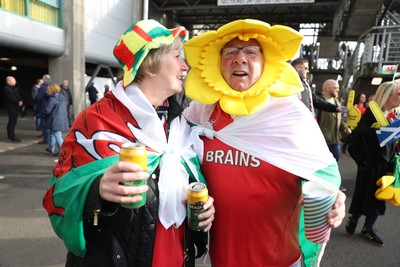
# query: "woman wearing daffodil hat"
{"type": "Point", "coordinates": [257, 142]}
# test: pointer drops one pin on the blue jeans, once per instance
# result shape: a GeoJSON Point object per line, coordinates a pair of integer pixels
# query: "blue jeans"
{"type": "Point", "coordinates": [55, 137]}
{"type": "Point", "coordinates": [335, 150]}
{"type": "Point", "coordinates": [38, 123]}
{"type": "Point", "coordinates": [369, 220]}
{"type": "Point", "coordinates": [46, 135]}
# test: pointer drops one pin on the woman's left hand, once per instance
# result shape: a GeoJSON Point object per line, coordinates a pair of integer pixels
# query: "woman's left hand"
{"type": "Point", "coordinates": [207, 217]}
{"type": "Point", "coordinates": [338, 212]}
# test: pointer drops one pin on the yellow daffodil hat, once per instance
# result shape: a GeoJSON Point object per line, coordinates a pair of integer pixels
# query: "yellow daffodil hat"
{"type": "Point", "coordinates": [206, 84]}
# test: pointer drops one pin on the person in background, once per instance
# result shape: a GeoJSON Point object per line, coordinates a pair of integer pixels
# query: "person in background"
{"type": "Point", "coordinates": [66, 91]}
{"type": "Point", "coordinates": [92, 92]}
{"type": "Point", "coordinates": [373, 163]}
{"type": "Point", "coordinates": [362, 104]}
{"type": "Point", "coordinates": [106, 89]}
{"type": "Point", "coordinates": [34, 92]}
{"type": "Point", "coordinates": [370, 97]}
{"type": "Point", "coordinates": [14, 104]}
{"type": "Point", "coordinates": [258, 142]}
{"type": "Point", "coordinates": [310, 99]}
{"type": "Point", "coordinates": [40, 102]}
{"type": "Point", "coordinates": [308, 96]}
{"type": "Point", "coordinates": [86, 191]}
{"type": "Point", "coordinates": [331, 123]}
{"type": "Point", "coordinates": [55, 113]}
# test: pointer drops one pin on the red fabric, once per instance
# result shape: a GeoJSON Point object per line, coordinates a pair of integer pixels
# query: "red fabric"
{"type": "Point", "coordinates": [391, 116]}
{"type": "Point", "coordinates": [257, 218]}
{"type": "Point", "coordinates": [123, 54]}
{"type": "Point", "coordinates": [361, 108]}
{"type": "Point", "coordinates": [169, 247]}
{"type": "Point", "coordinates": [107, 117]}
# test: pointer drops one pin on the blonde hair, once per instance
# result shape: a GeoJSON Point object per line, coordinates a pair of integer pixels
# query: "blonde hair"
{"type": "Point", "coordinates": [52, 88]}
{"type": "Point", "coordinates": [384, 91]}
{"type": "Point", "coordinates": [152, 61]}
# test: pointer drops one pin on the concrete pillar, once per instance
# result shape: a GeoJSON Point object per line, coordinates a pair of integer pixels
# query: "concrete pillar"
{"type": "Point", "coordinates": [71, 65]}
{"type": "Point", "coordinates": [137, 12]}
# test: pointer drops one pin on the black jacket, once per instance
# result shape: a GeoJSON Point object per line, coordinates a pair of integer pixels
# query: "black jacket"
{"type": "Point", "coordinates": [126, 237]}
{"type": "Point", "coordinates": [373, 161]}
{"type": "Point", "coordinates": [323, 105]}
{"type": "Point", "coordinates": [12, 97]}
{"type": "Point", "coordinates": [317, 102]}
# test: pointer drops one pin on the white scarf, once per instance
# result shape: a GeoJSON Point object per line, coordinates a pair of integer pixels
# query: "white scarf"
{"type": "Point", "coordinates": [284, 133]}
{"type": "Point", "coordinates": [174, 179]}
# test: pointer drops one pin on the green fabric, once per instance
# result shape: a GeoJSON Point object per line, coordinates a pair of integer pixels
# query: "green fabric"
{"type": "Point", "coordinates": [195, 161]}
{"type": "Point", "coordinates": [330, 124]}
{"type": "Point", "coordinates": [330, 174]}
{"type": "Point", "coordinates": [309, 249]}
{"type": "Point", "coordinates": [396, 173]}
{"type": "Point", "coordinates": [70, 192]}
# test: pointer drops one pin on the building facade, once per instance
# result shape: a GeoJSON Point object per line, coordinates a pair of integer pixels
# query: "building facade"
{"type": "Point", "coordinates": [69, 39]}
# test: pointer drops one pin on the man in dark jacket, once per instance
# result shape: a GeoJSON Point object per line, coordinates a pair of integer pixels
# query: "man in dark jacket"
{"type": "Point", "coordinates": [66, 91]}
{"type": "Point", "coordinates": [14, 103]}
{"type": "Point", "coordinates": [34, 92]}
{"type": "Point", "coordinates": [92, 91]}
{"type": "Point", "coordinates": [39, 101]}
{"type": "Point", "coordinates": [308, 97]}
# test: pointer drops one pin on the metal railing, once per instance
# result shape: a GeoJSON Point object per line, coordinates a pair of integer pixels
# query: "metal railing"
{"type": "Point", "coordinates": [377, 47]}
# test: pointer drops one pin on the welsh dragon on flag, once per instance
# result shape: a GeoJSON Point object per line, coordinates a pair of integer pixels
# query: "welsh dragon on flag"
{"type": "Point", "coordinates": [93, 144]}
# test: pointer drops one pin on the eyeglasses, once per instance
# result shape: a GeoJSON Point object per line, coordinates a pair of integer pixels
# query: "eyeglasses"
{"type": "Point", "coordinates": [250, 51]}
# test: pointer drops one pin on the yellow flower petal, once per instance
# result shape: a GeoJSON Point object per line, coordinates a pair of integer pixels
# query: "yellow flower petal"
{"type": "Point", "coordinates": [385, 181]}
{"type": "Point", "coordinates": [384, 194]}
{"type": "Point", "coordinates": [207, 94]}
{"type": "Point", "coordinates": [243, 106]}
{"type": "Point", "coordinates": [279, 43]}
{"type": "Point", "coordinates": [396, 198]}
{"type": "Point", "coordinates": [389, 194]}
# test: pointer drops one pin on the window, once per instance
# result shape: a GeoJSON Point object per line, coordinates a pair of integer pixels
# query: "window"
{"type": "Point", "coordinates": [47, 11]}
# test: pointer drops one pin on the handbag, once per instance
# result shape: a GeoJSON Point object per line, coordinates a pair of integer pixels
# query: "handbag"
{"type": "Point", "coordinates": [389, 185]}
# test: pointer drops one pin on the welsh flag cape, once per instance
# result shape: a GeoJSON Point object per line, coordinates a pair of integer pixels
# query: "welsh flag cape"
{"type": "Point", "coordinates": [93, 144]}
{"type": "Point", "coordinates": [284, 134]}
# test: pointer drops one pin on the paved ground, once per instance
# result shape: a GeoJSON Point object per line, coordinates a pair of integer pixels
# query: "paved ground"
{"type": "Point", "coordinates": [26, 237]}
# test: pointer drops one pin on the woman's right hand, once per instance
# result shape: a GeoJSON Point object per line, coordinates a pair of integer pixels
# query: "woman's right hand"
{"type": "Point", "coordinates": [111, 183]}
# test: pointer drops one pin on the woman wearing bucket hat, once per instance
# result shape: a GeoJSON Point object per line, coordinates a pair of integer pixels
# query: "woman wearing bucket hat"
{"type": "Point", "coordinates": [257, 142]}
{"type": "Point", "coordinates": [86, 191]}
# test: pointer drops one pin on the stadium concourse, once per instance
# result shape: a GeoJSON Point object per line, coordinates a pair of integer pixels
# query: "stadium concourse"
{"type": "Point", "coordinates": [27, 238]}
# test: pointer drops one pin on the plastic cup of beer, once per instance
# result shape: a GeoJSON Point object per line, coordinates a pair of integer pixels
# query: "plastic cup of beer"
{"type": "Point", "coordinates": [135, 153]}
{"type": "Point", "coordinates": [319, 198]}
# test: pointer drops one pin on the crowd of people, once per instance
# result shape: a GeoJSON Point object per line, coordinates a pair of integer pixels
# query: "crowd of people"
{"type": "Point", "coordinates": [47, 116]}
{"type": "Point", "coordinates": [254, 132]}
{"type": "Point", "coordinates": [52, 105]}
